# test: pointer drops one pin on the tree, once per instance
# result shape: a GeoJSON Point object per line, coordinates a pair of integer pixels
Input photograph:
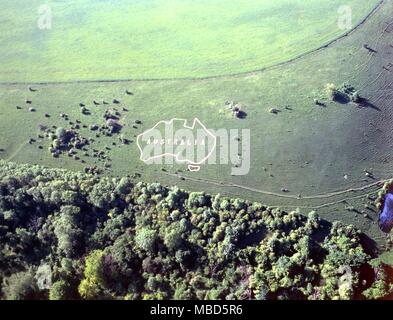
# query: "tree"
{"type": "Point", "coordinates": [59, 290]}
{"type": "Point", "coordinates": [145, 239]}
{"type": "Point", "coordinates": [173, 240]}
{"type": "Point", "coordinates": [102, 194]}
{"type": "Point", "coordinates": [381, 287]}
{"type": "Point", "coordinates": [93, 284]}
{"type": "Point", "coordinates": [331, 91]}
{"type": "Point", "coordinates": [197, 199]}
{"type": "Point", "coordinates": [20, 286]}
{"type": "Point", "coordinates": [123, 186]}
{"type": "Point", "coordinates": [182, 292]}
{"type": "Point", "coordinates": [61, 134]}
{"type": "Point", "coordinates": [67, 231]}
{"type": "Point", "coordinates": [43, 277]}
{"type": "Point", "coordinates": [90, 234]}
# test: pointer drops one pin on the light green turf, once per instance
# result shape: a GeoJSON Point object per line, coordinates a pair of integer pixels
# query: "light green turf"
{"type": "Point", "coordinates": [142, 39]}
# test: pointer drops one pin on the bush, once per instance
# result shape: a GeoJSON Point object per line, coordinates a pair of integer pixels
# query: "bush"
{"type": "Point", "coordinates": [59, 291]}
{"type": "Point", "coordinates": [20, 286]}
{"type": "Point", "coordinates": [92, 286]}
{"type": "Point", "coordinates": [331, 91]}
{"type": "Point", "coordinates": [145, 239]}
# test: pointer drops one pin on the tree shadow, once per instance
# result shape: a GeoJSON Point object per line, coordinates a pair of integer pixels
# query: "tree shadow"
{"type": "Point", "coordinates": [241, 114]}
{"type": "Point", "coordinates": [367, 47]}
{"type": "Point", "coordinates": [341, 97]}
{"type": "Point", "coordinates": [369, 245]}
{"type": "Point", "coordinates": [365, 103]}
{"type": "Point", "coordinates": [322, 232]}
{"type": "Point", "coordinates": [253, 239]}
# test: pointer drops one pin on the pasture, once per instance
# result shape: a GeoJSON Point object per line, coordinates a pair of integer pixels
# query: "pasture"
{"type": "Point", "coordinates": [319, 154]}
{"type": "Point", "coordinates": [157, 39]}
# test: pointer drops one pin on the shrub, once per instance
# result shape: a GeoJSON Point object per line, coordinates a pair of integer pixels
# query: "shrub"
{"type": "Point", "coordinates": [92, 286]}
{"type": "Point", "coordinates": [145, 239]}
{"type": "Point", "coordinates": [59, 290]}
{"type": "Point", "coordinates": [20, 286]}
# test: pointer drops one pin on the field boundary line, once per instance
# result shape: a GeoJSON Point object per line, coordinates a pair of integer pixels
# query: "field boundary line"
{"type": "Point", "coordinates": [245, 73]}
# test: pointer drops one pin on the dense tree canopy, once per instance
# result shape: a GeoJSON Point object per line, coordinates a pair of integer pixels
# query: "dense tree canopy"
{"type": "Point", "coordinates": [66, 235]}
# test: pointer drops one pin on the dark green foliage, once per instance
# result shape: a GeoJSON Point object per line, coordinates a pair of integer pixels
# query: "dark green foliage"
{"type": "Point", "coordinates": [67, 235]}
{"type": "Point", "coordinates": [19, 286]}
{"type": "Point", "coordinates": [59, 291]}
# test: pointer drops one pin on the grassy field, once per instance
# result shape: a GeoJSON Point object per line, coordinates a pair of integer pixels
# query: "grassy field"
{"type": "Point", "coordinates": [318, 152]}
{"type": "Point", "coordinates": [144, 39]}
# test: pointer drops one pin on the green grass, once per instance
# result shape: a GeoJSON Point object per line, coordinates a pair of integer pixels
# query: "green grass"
{"type": "Point", "coordinates": [308, 149]}
{"type": "Point", "coordinates": [144, 39]}
{"type": "Point", "coordinates": [387, 258]}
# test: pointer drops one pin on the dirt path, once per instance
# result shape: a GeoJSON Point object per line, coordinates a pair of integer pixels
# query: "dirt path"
{"type": "Point", "coordinates": [13, 155]}
{"type": "Point", "coordinates": [282, 195]}
{"type": "Point", "coordinates": [378, 184]}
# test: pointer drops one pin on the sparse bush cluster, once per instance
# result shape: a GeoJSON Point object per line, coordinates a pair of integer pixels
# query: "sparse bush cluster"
{"type": "Point", "coordinates": [66, 141]}
{"type": "Point", "coordinates": [112, 124]}
{"type": "Point", "coordinates": [236, 109]}
{"type": "Point", "coordinates": [66, 235]}
{"type": "Point", "coordinates": [343, 94]}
